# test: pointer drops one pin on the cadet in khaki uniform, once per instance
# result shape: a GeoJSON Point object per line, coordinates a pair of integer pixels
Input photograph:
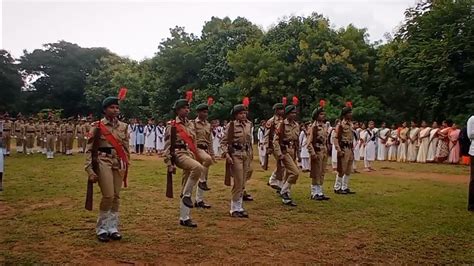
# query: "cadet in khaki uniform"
{"type": "Point", "coordinates": [111, 169]}
{"type": "Point", "coordinates": [39, 135]}
{"type": "Point", "coordinates": [69, 130]}
{"type": "Point", "coordinates": [18, 131]}
{"type": "Point", "coordinates": [286, 148]}
{"type": "Point", "coordinates": [80, 133]}
{"type": "Point", "coordinates": [62, 135]}
{"type": "Point", "coordinates": [50, 131]}
{"type": "Point", "coordinates": [239, 157]}
{"type": "Point", "coordinates": [202, 129]}
{"type": "Point", "coordinates": [7, 134]}
{"type": "Point", "coordinates": [184, 158]}
{"type": "Point", "coordinates": [317, 148]}
{"type": "Point", "coordinates": [57, 135]}
{"type": "Point", "coordinates": [345, 155]}
{"type": "Point", "coordinates": [29, 131]}
{"type": "Point", "coordinates": [86, 130]}
{"type": "Point", "coordinates": [276, 179]}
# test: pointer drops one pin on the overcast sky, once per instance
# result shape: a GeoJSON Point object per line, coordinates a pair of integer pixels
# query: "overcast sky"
{"type": "Point", "coordinates": [135, 28]}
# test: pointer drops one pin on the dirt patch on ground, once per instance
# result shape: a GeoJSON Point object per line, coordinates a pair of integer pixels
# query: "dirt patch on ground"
{"type": "Point", "coordinates": [6, 211]}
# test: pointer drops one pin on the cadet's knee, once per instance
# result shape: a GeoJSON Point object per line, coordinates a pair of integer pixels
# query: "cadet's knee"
{"type": "Point", "coordinates": [197, 168]}
{"type": "Point", "coordinates": [207, 161]}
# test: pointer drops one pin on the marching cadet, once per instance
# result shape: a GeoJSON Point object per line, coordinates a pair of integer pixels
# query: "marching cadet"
{"type": "Point", "coordinates": [58, 136]}
{"type": "Point", "coordinates": [62, 135]}
{"type": "Point", "coordinates": [237, 149]}
{"type": "Point", "coordinates": [317, 139]}
{"type": "Point", "coordinates": [276, 179]}
{"type": "Point", "coordinates": [80, 133]}
{"type": "Point", "coordinates": [50, 131]}
{"type": "Point", "coordinates": [7, 134]}
{"type": "Point", "coordinates": [86, 129]}
{"type": "Point", "coordinates": [29, 131]}
{"type": "Point", "coordinates": [18, 129]}
{"type": "Point", "coordinates": [262, 152]}
{"type": "Point", "coordinates": [69, 130]}
{"type": "Point", "coordinates": [183, 156]}
{"type": "Point", "coordinates": [107, 149]}
{"type": "Point", "coordinates": [345, 155]}
{"type": "Point", "coordinates": [39, 135]}
{"type": "Point", "coordinates": [202, 129]}
{"type": "Point", "coordinates": [285, 144]}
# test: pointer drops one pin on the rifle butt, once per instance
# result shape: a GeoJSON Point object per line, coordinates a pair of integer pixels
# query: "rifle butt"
{"type": "Point", "coordinates": [169, 185]}
{"type": "Point", "coordinates": [89, 195]}
{"type": "Point", "coordinates": [228, 174]}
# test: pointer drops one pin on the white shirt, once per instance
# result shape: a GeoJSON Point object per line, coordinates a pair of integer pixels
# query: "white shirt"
{"type": "Point", "coordinates": [470, 134]}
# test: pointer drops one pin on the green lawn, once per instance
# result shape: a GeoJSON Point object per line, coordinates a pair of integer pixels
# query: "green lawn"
{"type": "Point", "coordinates": [391, 219]}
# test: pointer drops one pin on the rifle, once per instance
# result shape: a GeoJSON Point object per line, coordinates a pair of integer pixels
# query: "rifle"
{"type": "Point", "coordinates": [95, 167]}
{"type": "Point", "coordinates": [269, 147]}
{"type": "Point", "coordinates": [169, 175]}
{"type": "Point", "coordinates": [230, 151]}
{"type": "Point", "coordinates": [281, 135]}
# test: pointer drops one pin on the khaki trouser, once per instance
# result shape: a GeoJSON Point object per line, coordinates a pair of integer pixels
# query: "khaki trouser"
{"type": "Point", "coordinates": [206, 160]}
{"type": "Point", "coordinates": [241, 172]}
{"type": "Point", "coordinates": [80, 142]}
{"type": "Point", "coordinates": [110, 183]}
{"type": "Point", "coordinates": [58, 143]}
{"type": "Point", "coordinates": [69, 141]}
{"type": "Point", "coordinates": [63, 143]}
{"type": "Point", "coordinates": [30, 140]}
{"type": "Point", "coordinates": [292, 170]}
{"type": "Point", "coordinates": [192, 171]}
{"type": "Point", "coordinates": [50, 142]}
{"type": "Point", "coordinates": [7, 138]}
{"type": "Point", "coordinates": [19, 140]}
{"type": "Point", "coordinates": [279, 172]}
{"type": "Point", "coordinates": [344, 162]}
{"type": "Point", "coordinates": [318, 167]}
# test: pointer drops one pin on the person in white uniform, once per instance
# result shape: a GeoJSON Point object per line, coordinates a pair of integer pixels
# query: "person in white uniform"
{"type": "Point", "coordinates": [362, 137]}
{"type": "Point", "coordinates": [423, 142]}
{"type": "Point", "coordinates": [392, 144]}
{"type": "Point", "coordinates": [150, 137]}
{"type": "Point", "coordinates": [332, 136]}
{"type": "Point", "coordinates": [370, 141]}
{"type": "Point", "coordinates": [132, 134]}
{"type": "Point", "coordinates": [304, 153]}
{"type": "Point", "coordinates": [433, 143]}
{"type": "Point", "coordinates": [160, 138]}
{"type": "Point", "coordinates": [262, 150]}
{"type": "Point", "coordinates": [413, 136]}
{"type": "Point", "coordinates": [382, 138]}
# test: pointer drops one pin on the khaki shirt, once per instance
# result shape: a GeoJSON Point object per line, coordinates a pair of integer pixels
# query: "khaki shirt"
{"type": "Point", "coordinates": [50, 128]}
{"type": "Point", "coordinates": [188, 128]}
{"type": "Point", "coordinates": [39, 129]}
{"type": "Point", "coordinates": [118, 130]}
{"type": "Point", "coordinates": [271, 123]}
{"type": "Point", "coordinates": [344, 138]}
{"type": "Point", "coordinates": [29, 129]}
{"type": "Point", "coordinates": [18, 127]}
{"type": "Point", "coordinates": [69, 128]}
{"type": "Point", "coordinates": [7, 126]}
{"type": "Point", "coordinates": [242, 137]}
{"type": "Point", "coordinates": [317, 139]}
{"type": "Point", "coordinates": [202, 128]}
{"type": "Point", "coordinates": [290, 136]}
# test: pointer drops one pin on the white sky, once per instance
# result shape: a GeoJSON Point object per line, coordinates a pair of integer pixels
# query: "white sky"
{"type": "Point", "coordinates": [135, 28]}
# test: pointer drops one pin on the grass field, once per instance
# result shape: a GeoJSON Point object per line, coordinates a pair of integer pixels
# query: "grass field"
{"type": "Point", "coordinates": [402, 213]}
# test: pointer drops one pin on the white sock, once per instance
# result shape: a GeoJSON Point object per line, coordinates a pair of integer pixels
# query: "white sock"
{"type": "Point", "coordinates": [183, 212]}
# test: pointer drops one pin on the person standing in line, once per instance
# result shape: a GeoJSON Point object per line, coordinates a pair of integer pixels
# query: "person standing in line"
{"type": "Point", "coordinates": [392, 144]}
{"type": "Point", "coordinates": [140, 138]}
{"type": "Point", "coordinates": [304, 153]}
{"type": "Point", "coordinates": [370, 147]}
{"type": "Point", "coordinates": [382, 138]}
{"type": "Point", "coordinates": [403, 144]}
{"type": "Point", "coordinates": [454, 148]}
{"type": "Point", "coordinates": [433, 143]}
{"type": "Point", "coordinates": [424, 142]}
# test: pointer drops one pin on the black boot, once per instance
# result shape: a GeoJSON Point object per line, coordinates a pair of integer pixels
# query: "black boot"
{"type": "Point", "coordinates": [203, 186]}
{"type": "Point", "coordinates": [104, 237]}
{"type": "Point", "coordinates": [188, 223]}
{"type": "Point", "coordinates": [187, 202]}
{"type": "Point", "coordinates": [202, 204]}
{"type": "Point", "coordinates": [116, 236]}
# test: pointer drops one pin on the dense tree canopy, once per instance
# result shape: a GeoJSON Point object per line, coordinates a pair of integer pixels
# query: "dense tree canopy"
{"type": "Point", "coordinates": [425, 71]}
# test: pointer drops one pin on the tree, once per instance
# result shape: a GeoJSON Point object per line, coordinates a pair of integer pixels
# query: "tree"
{"type": "Point", "coordinates": [10, 82]}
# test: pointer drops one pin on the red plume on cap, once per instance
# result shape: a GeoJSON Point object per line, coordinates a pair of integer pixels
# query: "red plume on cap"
{"type": "Point", "coordinates": [284, 101]}
{"type": "Point", "coordinates": [189, 96]}
{"type": "Point", "coordinates": [322, 103]}
{"type": "Point", "coordinates": [246, 101]}
{"type": "Point", "coordinates": [210, 101]}
{"type": "Point", "coordinates": [349, 104]}
{"type": "Point", "coordinates": [122, 93]}
{"type": "Point", "coordinates": [295, 100]}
